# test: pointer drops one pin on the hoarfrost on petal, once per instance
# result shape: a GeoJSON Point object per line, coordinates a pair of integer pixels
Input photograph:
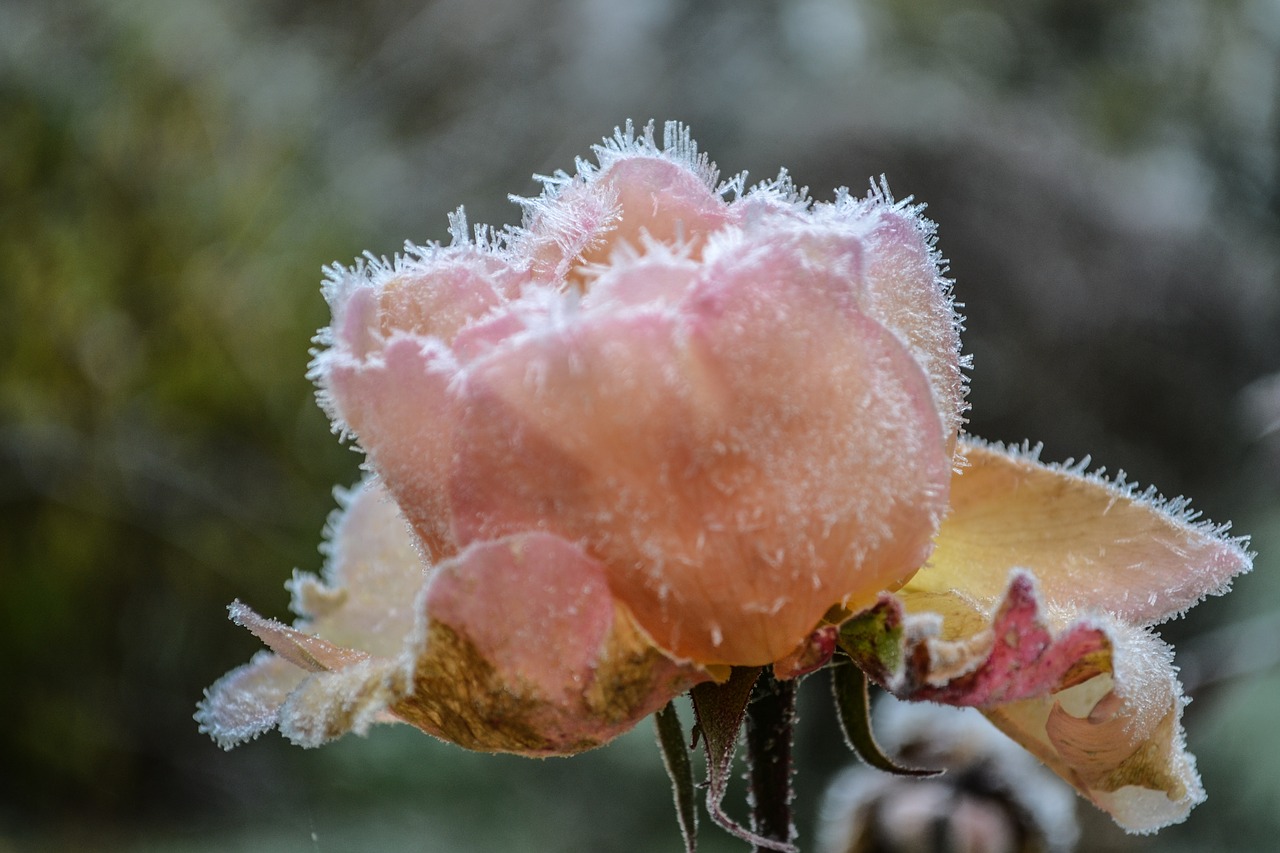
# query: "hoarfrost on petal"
{"type": "Point", "coordinates": [1091, 544]}
{"type": "Point", "coordinates": [246, 702]}
{"type": "Point", "coordinates": [344, 662]}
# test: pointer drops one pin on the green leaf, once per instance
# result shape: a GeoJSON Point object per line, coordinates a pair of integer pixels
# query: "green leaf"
{"type": "Point", "coordinates": [853, 704]}
{"type": "Point", "coordinates": [675, 757]}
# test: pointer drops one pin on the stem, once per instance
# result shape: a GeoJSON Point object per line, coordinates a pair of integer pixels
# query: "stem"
{"type": "Point", "coordinates": [771, 718]}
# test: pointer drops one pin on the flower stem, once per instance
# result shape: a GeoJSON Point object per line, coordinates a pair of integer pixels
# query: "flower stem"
{"type": "Point", "coordinates": [771, 720]}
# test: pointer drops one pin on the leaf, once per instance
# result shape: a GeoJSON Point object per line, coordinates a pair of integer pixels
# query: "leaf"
{"type": "Point", "coordinates": [675, 757]}
{"type": "Point", "coordinates": [853, 705]}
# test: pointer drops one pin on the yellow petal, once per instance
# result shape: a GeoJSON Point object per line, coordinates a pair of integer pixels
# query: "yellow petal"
{"type": "Point", "coordinates": [1091, 544]}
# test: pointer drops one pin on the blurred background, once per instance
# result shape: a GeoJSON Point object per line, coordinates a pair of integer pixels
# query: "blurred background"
{"type": "Point", "coordinates": [173, 174]}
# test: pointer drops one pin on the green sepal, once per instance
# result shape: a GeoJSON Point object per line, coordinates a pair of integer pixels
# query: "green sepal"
{"type": "Point", "coordinates": [874, 640]}
{"type": "Point", "coordinates": [720, 710]}
{"type": "Point", "coordinates": [675, 757]}
{"type": "Point", "coordinates": [853, 705]}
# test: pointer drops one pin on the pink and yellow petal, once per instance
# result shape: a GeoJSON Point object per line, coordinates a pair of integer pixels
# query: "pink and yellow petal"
{"type": "Point", "coordinates": [1117, 738]}
{"type": "Point", "coordinates": [1096, 700]}
{"type": "Point", "coordinates": [526, 651]}
{"type": "Point", "coordinates": [1091, 544]}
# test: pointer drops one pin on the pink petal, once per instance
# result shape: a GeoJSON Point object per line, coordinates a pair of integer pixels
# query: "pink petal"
{"type": "Point", "coordinates": [403, 413]}
{"type": "Point", "coordinates": [888, 251]}
{"type": "Point", "coordinates": [738, 466]}
{"type": "Point", "coordinates": [659, 277]}
{"type": "Point", "coordinates": [445, 291]}
{"type": "Point", "coordinates": [906, 291]}
{"type": "Point", "coordinates": [638, 192]}
{"type": "Point", "coordinates": [535, 605]}
{"type": "Point", "coordinates": [526, 651]}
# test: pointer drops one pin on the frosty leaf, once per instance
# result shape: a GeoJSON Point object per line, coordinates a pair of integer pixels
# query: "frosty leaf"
{"type": "Point", "coordinates": [675, 758]}
{"type": "Point", "coordinates": [873, 640]}
{"type": "Point", "coordinates": [853, 706]}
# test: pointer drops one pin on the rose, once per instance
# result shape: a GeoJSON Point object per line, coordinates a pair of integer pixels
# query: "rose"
{"type": "Point", "coordinates": [669, 427]}
{"type": "Point", "coordinates": [738, 428]}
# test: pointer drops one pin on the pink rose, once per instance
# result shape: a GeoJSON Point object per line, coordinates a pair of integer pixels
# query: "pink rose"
{"type": "Point", "coordinates": [671, 426]}
{"type": "Point", "coordinates": [744, 410]}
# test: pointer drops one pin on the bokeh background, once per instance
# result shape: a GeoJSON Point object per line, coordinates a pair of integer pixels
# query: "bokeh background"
{"type": "Point", "coordinates": [173, 174]}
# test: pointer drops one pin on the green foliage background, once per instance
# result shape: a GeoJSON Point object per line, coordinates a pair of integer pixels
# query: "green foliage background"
{"type": "Point", "coordinates": [173, 175]}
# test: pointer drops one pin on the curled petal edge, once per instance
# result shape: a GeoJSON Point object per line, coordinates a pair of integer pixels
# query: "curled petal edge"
{"type": "Point", "coordinates": [1097, 700]}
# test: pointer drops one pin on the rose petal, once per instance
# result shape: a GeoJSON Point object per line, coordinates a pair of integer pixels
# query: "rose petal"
{"type": "Point", "coordinates": [738, 465]}
{"type": "Point", "coordinates": [399, 406]}
{"type": "Point", "coordinates": [888, 249]}
{"type": "Point", "coordinates": [639, 190]}
{"type": "Point", "coordinates": [1092, 545]}
{"type": "Point", "coordinates": [517, 646]}
{"type": "Point", "coordinates": [659, 276]}
{"type": "Point", "coordinates": [303, 650]}
{"type": "Point", "coordinates": [313, 690]}
{"type": "Point", "coordinates": [526, 651]}
{"type": "Point", "coordinates": [432, 291]}
{"type": "Point", "coordinates": [374, 572]}
{"type": "Point", "coordinates": [1118, 737]}
{"type": "Point", "coordinates": [444, 290]}
{"type": "Point", "coordinates": [1096, 701]}
{"type": "Point", "coordinates": [340, 667]}
{"type": "Point", "coordinates": [907, 292]}
{"type": "Point", "coordinates": [246, 702]}
{"type": "Point", "coordinates": [921, 651]}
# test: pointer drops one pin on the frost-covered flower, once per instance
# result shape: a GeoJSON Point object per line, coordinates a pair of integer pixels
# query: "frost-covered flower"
{"type": "Point", "coordinates": [671, 426]}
